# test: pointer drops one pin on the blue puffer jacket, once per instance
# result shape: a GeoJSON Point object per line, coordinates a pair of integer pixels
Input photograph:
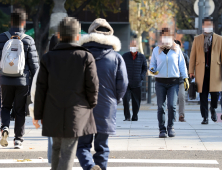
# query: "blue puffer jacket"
{"type": "Point", "coordinates": [112, 76]}
{"type": "Point", "coordinates": [31, 59]}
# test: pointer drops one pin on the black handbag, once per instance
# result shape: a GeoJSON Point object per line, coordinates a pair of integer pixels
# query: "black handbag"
{"type": "Point", "coordinates": [193, 90]}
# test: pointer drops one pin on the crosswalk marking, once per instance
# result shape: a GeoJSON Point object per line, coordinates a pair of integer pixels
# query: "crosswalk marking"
{"type": "Point", "coordinates": [121, 168]}
{"type": "Point", "coordinates": [162, 161]}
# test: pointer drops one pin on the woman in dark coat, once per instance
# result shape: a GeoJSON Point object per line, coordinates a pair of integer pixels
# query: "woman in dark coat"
{"type": "Point", "coordinates": [113, 83]}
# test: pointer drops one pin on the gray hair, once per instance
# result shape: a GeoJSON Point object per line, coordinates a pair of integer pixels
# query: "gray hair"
{"type": "Point", "coordinates": [69, 28]}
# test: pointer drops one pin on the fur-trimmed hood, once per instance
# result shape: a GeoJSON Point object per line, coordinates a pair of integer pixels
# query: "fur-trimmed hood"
{"type": "Point", "coordinates": [101, 39]}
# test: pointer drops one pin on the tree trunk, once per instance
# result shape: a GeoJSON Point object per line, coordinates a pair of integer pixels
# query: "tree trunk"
{"type": "Point", "coordinates": [41, 26]}
{"type": "Point", "coordinates": [140, 43]}
{"type": "Point", "coordinates": [139, 35]}
{"type": "Point", "coordinates": [44, 21]}
{"type": "Point", "coordinates": [36, 19]}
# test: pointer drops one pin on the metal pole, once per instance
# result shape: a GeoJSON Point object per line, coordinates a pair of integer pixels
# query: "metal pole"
{"type": "Point", "coordinates": [201, 14]}
{"type": "Point", "coordinates": [149, 89]}
{"type": "Point", "coordinates": [207, 8]}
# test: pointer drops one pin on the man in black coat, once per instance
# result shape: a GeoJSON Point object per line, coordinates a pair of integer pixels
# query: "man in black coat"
{"type": "Point", "coordinates": [66, 92]}
{"type": "Point", "coordinates": [15, 89]}
{"type": "Point", "coordinates": [136, 66]}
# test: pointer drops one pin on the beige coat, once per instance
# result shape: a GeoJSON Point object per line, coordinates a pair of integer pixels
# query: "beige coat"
{"type": "Point", "coordinates": [197, 63]}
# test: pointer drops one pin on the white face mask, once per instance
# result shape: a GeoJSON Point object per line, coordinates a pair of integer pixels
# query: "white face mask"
{"type": "Point", "coordinates": [208, 29]}
{"type": "Point", "coordinates": [133, 49]}
{"type": "Point", "coordinates": [167, 40]}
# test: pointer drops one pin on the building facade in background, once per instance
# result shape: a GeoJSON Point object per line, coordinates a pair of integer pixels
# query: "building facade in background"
{"type": "Point", "coordinates": [118, 21]}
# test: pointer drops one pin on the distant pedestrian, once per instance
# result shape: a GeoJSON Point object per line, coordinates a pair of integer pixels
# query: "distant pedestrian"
{"type": "Point", "coordinates": [113, 82]}
{"type": "Point", "coordinates": [15, 87]}
{"type": "Point", "coordinates": [168, 65]}
{"type": "Point", "coordinates": [205, 66]}
{"type": "Point", "coordinates": [181, 94]}
{"type": "Point", "coordinates": [66, 91]}
{"type": "Point", "coordinates": [136, 66]}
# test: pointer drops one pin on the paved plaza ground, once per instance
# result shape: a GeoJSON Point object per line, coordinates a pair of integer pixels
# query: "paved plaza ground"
{"type": "Point", "coordinates": [143, 134]}
{"type": "Point", "coordinates": [138, 140]}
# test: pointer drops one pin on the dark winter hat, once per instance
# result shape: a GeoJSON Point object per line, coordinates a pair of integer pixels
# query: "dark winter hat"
{"type": "Point", "coordinates": [99, 22]}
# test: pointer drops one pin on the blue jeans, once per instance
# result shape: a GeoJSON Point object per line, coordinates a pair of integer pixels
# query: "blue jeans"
{"type": "Point", "coordinates": [101, 148]}
{"type": "Point", "coordinates": [50, 150]}
{"type": "Point", "coordinates": [169, 91]}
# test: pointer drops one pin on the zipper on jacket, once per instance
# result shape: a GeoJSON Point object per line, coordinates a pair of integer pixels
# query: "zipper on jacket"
{"type": "Point", "coordinates": [167, 66]}
{"type": "Point", "coordinates": [167, 63]}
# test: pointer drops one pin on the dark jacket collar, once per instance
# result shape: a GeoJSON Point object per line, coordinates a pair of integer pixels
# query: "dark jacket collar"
{"type": "Point", "coordinates": [16, 29]}
{"type": "Point", "coordinates": [68, 46]}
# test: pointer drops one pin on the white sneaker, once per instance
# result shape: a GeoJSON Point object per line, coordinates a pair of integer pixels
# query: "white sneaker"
{"type": "Point", "coordinates": [5, 134]}
{"type": "Point", "coordinates": [18, 144]}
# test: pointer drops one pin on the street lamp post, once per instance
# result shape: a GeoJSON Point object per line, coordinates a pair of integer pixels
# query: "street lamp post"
{"type": "Point", "coordinates": [207, 8]}
{"type": "Point", "coordinates": [201, 14]}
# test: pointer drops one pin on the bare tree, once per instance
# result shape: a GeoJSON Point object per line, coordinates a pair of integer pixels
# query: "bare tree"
{"type": "Point", "coordinates": [146, 14]}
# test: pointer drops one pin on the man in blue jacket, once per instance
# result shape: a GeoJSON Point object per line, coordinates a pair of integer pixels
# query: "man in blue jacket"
{"type": "Point", "coordinates": [113, 82]}
{"type": "Point", "coordinates": [15, 89]}
{"type": "Point", "coordinates": [136, 69]}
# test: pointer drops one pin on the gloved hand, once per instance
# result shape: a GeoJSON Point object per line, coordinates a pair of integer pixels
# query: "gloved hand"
{"type": "Point", "coordinates": [152, 71]}
{"type": "Point", "coordinates": [186, 84]}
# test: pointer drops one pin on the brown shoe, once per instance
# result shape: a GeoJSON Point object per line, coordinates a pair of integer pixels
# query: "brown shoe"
{"type": "Point", "coordinates": [96, 167]}
{"type": "Point", "coordinates": [181, 119]}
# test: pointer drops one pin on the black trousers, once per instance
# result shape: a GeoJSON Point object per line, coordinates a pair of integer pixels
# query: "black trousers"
{"type": "Point", "coordinates": [205, 93]}
{"type": "Point", "coordinates": [18, 96]}
{"type": "Point", "coordinates": [135, 94]}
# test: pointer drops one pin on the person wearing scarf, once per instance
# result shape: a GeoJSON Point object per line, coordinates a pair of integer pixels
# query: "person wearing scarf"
{"type": "Point", "coordinates": [167, 65]}
{"type": "Point", "coordinates": [205, 66]}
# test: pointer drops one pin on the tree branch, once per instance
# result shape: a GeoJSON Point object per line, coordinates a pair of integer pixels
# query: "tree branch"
{"type": "Point", "coordinates": [81, 8]}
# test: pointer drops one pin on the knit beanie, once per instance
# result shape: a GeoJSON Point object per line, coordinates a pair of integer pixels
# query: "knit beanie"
{"type": "Point", "coordinates": [99, 22]}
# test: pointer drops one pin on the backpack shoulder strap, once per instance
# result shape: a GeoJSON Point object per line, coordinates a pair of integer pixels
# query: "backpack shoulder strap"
{"type": "Point", "coordinates": [8, 34]}
{"type": "Point", "coordinates": [23, 36]}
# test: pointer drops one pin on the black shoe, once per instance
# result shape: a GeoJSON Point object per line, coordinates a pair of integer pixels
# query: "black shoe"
{"type": "Point", "coordinates": [171, 132]}
{"type": "Point", "coordinates": [127, 119]}
{"type": "Point", "coordinates": [135, 118]}
{"type": "Point", "coordinates": [213, 114]}
{"type": "Point", "coordinates": [205, 121]}
{"type": "Point", "coordinates": [163, 134]}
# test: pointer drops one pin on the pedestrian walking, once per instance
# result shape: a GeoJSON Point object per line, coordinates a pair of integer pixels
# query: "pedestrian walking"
{"type": "Point", "coordinates": [168, 65]}
{"type": "Point", "coordinates": [181, 93]}
{"type": "Point", "coordinates": [66, 91]}
{"type": "Point", "coordinates": [22, 54]}
{"type": "Point", "coordinates": [136, 66]}
{"type": "Point", "coordinates": [53, 42]}
{"type": "Point", "coordinates": [113, 82]}
{"type": "Point", "coordinates": [205, 66]}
